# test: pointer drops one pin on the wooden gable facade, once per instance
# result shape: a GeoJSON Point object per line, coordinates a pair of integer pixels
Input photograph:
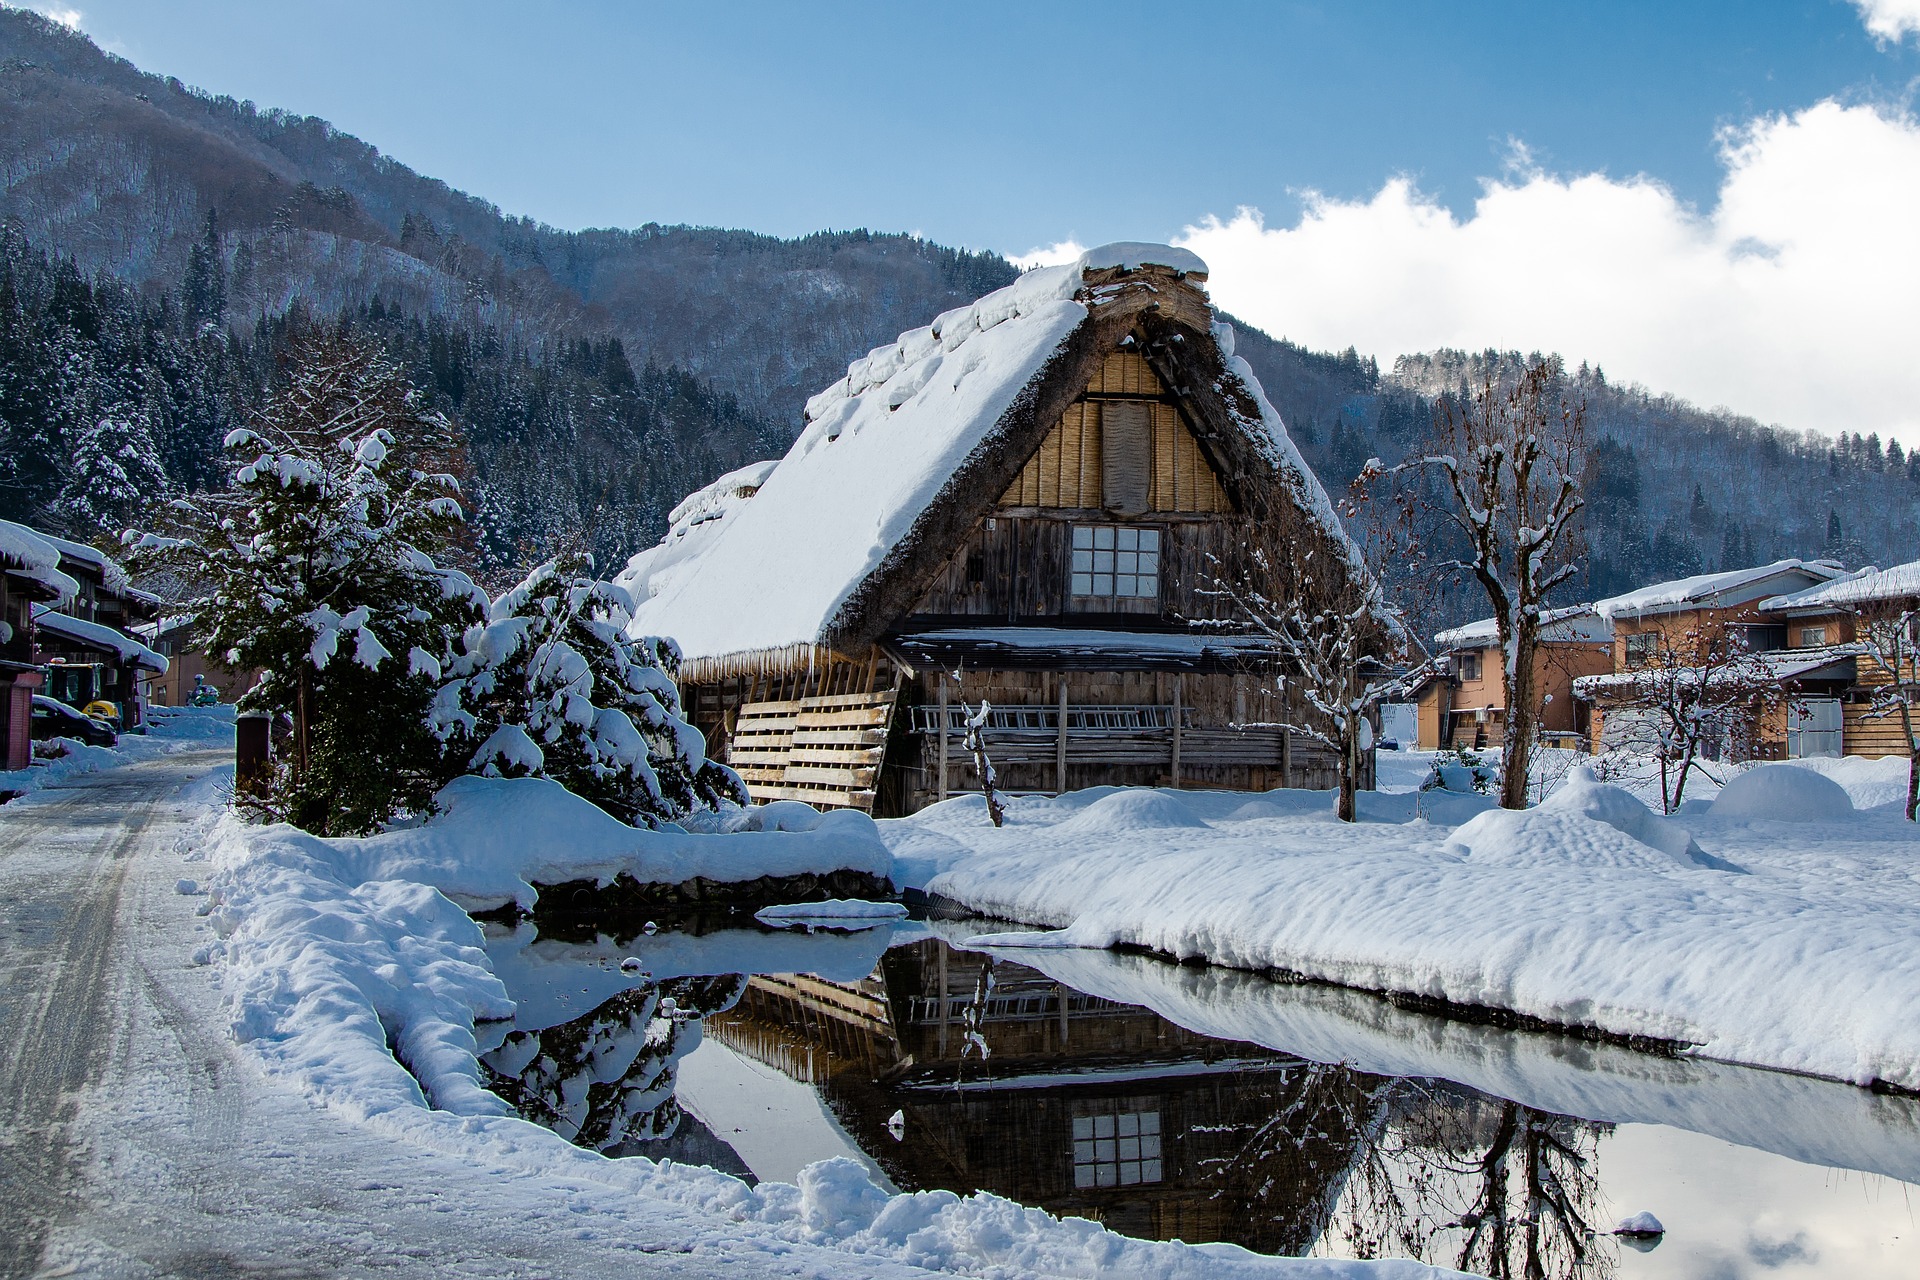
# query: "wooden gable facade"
{"type": "Point", "coordinates": [1066, 581]}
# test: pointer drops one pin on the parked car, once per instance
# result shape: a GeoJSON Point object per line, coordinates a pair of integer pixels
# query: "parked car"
{"type": "Point", "coordinates": [55, 719]}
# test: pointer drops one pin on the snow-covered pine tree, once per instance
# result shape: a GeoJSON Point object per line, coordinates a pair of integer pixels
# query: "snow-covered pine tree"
{"type": "Point", "coordinates": [116, 470]}
{"type": "Point", "coordinates": [553, 686]}
{"type": "Point", "coordinates": [316, 567]}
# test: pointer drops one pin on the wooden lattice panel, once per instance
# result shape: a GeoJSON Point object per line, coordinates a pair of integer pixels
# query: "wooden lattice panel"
{"type": "Point", "coordinates": [1066, 471]}
{"type": "Point", "coordinates": [825, 751]}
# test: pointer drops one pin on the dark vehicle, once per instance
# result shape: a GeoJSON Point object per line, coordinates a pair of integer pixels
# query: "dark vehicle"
{"type": "Point", "coordinates": [1388, 744]}
{"type": "Point", "coordinates": [52, 719]}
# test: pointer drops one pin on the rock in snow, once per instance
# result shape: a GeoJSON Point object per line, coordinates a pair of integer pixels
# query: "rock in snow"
{"type": "Point", "coordinates": [1782, 793]}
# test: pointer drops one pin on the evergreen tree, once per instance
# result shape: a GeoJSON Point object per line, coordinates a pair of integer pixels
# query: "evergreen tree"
{"type": "Point", "coordinates": [116, 471]}
{"type": "Point", "coordinates": [555, 687]}
{"type": "Point", "coordinates": [1699, 514]}
{"type": "Point", "coordinates": [316, 568]}
{"type": "Point", "coordinates": [1896, 457]}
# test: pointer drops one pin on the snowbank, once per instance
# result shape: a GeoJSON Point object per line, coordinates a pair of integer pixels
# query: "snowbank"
{"type": "Point", "coordinates": [323, 971]}
{"type": "Point", "coordinates": [1585, 823]}
{"type": "Point", "coordinates": [1782, 793]}
{"type": "Point", "coordinates": [1805, 964]}
{"type": "Point", "coordinates": [1868, 782]}
{"type": "Point", "coordinates": [495, 838]}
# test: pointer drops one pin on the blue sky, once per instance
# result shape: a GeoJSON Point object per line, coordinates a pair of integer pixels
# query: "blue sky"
{"type": "Point", "coordinates": [1716, 200]}
{"type": "Point", "coordinates": [1002, 125]}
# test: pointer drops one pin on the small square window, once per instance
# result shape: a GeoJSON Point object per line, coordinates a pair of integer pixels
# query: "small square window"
{"type": "Point", "coordinates": [1115, 562]}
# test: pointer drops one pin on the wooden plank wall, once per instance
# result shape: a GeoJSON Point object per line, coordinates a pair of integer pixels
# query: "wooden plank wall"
{"type": "Point", "coordinates": [826, 750]}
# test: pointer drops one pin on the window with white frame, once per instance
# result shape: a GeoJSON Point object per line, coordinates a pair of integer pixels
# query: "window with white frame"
{"type": "Point", "coordinates": [1115, 561]}
{"type": "Point", "coordinates": [1641, 646]}
{"type": "Point", "coordinates": [1812, 636]}
{"type": "Point", "coordinates": [1115, 1146]}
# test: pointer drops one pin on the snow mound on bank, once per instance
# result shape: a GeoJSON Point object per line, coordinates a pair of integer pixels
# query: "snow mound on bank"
{"type": "Point", "coordinates": [495, 838]}
{"type": "Point", "coordinates": [1130, 810]}
{"type": "Point", "coordinates": [1586, 823]}
{"type": "Point", "coordinates": [1782, 793]}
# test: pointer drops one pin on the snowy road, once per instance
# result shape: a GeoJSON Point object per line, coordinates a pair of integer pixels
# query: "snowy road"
{"type": "Point", "coordinates": [137, 1139]}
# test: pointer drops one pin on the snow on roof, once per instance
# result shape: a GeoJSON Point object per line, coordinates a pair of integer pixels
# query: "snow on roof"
{"type": "Point", "coordinates": [100, 637]}
{"type": "Point", "coordinates": [112, 573]}
{"type": "Point", "coordinates": [1769, 664]}
{"type": "Point", "coordinates": [33, 554]}
{"type": "Point", "coordinates": [692, 525]}
{"type": "Point", "coordinates": [1868, 586]}
{"type": "Point", "coordinates": [780, 550]}
{"type": "Point", "coordinates": [1710, 588]}
{"type": "Point", "coordinates": [1131, 256]}
{"type": "Point", "coordinates": [1575, 622]}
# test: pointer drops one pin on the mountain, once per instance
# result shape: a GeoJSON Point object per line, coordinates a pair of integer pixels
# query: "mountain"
{"type": "Point", "coordinates": [162, 242]}
{"type": "Point", "coordinates": [119, 168]}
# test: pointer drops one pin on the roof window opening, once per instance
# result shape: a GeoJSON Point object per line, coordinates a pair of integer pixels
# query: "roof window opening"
{"type": "Point", "coordinates": [1115, 561]}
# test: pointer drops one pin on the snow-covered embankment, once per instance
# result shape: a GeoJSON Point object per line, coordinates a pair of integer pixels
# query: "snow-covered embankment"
{"type": "Point", "coordinates": [1748, 937]}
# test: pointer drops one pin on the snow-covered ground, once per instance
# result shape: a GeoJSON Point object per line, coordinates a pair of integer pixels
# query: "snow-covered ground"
{"type": "Point", "coordinates": [1752, 937]}
{"type": "Point", "coordinates": [359, 985]}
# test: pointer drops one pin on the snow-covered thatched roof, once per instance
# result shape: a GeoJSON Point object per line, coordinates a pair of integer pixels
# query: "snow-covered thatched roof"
{"type": "Point", "coordinates": [898, 457]}
{"type": "Point", "coordinates": [1723, 590]}
{"type": "Point", "coordinates": [1868, 587]}
{"type": "Point", "coordinates": [1575, 622]}
{"type": "Point", "coordinates": [34, 555]}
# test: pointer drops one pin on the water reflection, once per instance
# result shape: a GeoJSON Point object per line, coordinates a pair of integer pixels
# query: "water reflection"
{"type": "Point", "coordinates": [1147, 1096]}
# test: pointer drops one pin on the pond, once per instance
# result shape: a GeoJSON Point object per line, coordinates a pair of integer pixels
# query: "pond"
{"type": "Point", "coordinates": [1174, 1101]}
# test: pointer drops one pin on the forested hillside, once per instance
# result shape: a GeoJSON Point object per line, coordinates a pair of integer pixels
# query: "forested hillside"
{"type": "Point", "coordinates": [161, 243]}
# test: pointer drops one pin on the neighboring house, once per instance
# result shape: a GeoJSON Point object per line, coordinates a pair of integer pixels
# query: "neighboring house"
{"type": "Point", "coordinates": [1827, 616]}
{"type": "Point", "coordinates": [189, 664]}
{"type": "Point", "coordinates": [1463, 701]}
{"type": "Point", "coordinates": [68, 636]}
{"type": "Point", "coordinates": [1669, 624]}
{"type": "Point", "coordinates": [1024, 504]}
{"type": "Point", "coordinates": [30, 575]}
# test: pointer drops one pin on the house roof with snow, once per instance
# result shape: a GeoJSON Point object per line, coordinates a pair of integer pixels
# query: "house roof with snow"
{"type": "Point", "coordinates": [92, 635]}
{"type": "Point", "coordinates": [33, 555]}
{"type": "Point", "coordinates": [900, 457]}
{"type": "Point", "coordinates": [1870, 586]}
{"type": "Point", "coordinates": [1577, 622]}
{"type": "Point", "coordinates": [1835, 662]}
{"type": "Point", "coordinates": [1725, 590]}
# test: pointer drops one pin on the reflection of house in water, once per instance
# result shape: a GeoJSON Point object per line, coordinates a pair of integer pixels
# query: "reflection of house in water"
{"type": "Point", "coordinates": [1079, 1105]}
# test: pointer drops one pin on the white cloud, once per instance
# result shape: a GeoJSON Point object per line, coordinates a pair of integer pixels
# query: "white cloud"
{"type": "Point", "coordinates": [64, 15]}
{"type": "Point", "coordinates": [1796, 299]}
{"type": "Point", "coordinates": [1051, 255]}
{"type": "Point", "coordinates": [1889, 20]}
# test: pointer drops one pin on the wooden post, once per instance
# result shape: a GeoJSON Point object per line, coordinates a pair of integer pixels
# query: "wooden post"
{"type": "Point", "coordinates": [941, 786]}
{"type": "Point", "coordinates": [1179, 683]}
{"type": "Point", "coordinates": [1286, 757]}
{"type": "Point", "coordinates": [252, 773]}
{"type": "Point", "coordinates": [1060, 746]}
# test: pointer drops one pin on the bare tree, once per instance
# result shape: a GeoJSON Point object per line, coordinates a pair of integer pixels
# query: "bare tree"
{"type": "Point", "coordinates": [1887, 635]}
{"type": "Point", "coordinates": [1334, 636]}
{"type": "Point", "coordinates": [1701, 693]}
{"type": "Point", "coordinates": [1510, 455]}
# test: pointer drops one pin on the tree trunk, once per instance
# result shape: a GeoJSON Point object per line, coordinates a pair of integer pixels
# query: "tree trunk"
{"type": "Point", "coordinates": [1349, 773]}
{"type": "Point", "coordinates": [1523, 712]}
{"type": "Point", "coordinates": [1913, 758]}
{"type": "Point", "coordinates": [300, 718]}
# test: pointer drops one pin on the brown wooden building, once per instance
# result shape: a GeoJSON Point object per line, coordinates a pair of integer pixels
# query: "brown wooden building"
{"type": "Point", "coordinates": [1026, 504]}
{"type": "Point", "coordinates": [1463, 703]}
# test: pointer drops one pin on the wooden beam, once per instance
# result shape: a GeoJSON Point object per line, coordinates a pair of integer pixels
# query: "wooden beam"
{"type": "Point", "coordinates": [1179, 683]}
{"type": "Point", "coordinates": [941, 789]}
{"type": "Point", "coordinates": [1060, 747]}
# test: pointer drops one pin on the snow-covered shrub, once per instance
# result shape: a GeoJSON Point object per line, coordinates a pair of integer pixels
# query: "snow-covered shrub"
{"type": "Point", "coordinates": [553, 686]}
{"type": "Point", "coordinates": [1463, 771]}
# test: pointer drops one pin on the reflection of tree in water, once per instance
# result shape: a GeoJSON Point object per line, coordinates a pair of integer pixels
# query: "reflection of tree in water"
{"type": "Point", "coordinates": [1450, 1178]}
{"type": "Point", "coordinates": [607, 1078]}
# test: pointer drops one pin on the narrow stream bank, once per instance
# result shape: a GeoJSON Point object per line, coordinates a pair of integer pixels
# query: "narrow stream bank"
{"type": "Point", "coordinates": [1184, 1101]}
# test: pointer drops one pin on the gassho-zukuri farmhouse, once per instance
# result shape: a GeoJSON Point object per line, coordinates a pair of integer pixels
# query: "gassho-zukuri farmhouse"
{"type": "Point", "coordinates": [1029, 502]}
